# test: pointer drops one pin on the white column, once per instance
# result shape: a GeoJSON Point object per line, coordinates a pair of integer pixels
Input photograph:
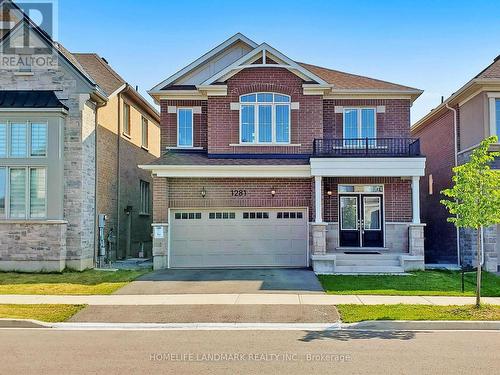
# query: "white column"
{"type": "Point", "coordinates": [318, 199]}
{"type": "Point", "coordinates": [415, 198]}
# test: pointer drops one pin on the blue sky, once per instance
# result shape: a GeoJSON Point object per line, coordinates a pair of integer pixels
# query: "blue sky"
{"type": "Point", "coordinates": [436, 46]}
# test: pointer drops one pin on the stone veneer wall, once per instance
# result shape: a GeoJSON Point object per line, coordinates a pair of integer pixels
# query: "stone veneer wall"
{"type": "Point", "coordinates": [79, 178]}
{"type": "Point", "coordinates": [32, 246]}
{"type": "Point", "coordinates": [468, 248]}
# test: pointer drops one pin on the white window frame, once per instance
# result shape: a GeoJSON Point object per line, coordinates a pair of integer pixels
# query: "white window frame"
{"type": "Point", "coordinates": [144, 121]}
{"type": "Point", "coordinates": [360, 125]}
{"type": "Point", "coordinates": [27, 204]}
{"type": "Point", "coordinates": [127, 121]}
{"type": "Point", "coordinates": [192, 127]}
{"type": "Point", "coordinates": [145, 196]}
{"type": "Point", "coordinates": [273, 105]}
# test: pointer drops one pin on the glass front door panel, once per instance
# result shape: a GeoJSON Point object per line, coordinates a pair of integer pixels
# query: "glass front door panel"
{"type": "Point", "coordinates": [349, 212]}
{"type": "Point", "coordinates": [371, 214]}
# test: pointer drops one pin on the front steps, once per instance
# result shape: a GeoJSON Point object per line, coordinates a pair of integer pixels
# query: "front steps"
{"type": "Point", "coordinates": [388, 263]}
{"type": "Point", "coordinates": [368, 263]}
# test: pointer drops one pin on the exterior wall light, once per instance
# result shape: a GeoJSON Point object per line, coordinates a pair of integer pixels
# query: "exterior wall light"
{"type": "Point", "coordinates": [203, 192]}
{"type": "Point", "coordinates": [329, 193]}
{"type": "Point", "coordinates": [273, 192]}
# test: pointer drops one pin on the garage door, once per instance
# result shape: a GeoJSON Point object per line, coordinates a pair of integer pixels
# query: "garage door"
{"type": "Point", "coordinates": [238, 238]}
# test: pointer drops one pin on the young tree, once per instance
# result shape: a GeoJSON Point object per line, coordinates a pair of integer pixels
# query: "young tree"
{"type": "Point", "coordinates": [475, 197]}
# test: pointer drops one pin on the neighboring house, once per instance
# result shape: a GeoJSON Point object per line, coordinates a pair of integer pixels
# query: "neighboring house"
{"type": "Point", "coordinates": [49, 159]}
{"type": "Point", "coordinates": [270, 162]}
{"type": "Point", "coordinates": [128, 134]}
{"type": "Point", "coordinates": [448, 135]}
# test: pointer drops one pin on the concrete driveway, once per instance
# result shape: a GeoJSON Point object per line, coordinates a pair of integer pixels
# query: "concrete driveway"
{"type": "Point", "coordinates": [225, 281]}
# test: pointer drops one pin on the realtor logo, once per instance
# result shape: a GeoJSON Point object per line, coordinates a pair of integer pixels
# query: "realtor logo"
{"type": "Point", "coordinates": [28, 29]}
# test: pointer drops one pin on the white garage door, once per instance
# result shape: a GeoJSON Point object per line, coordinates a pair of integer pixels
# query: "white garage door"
{"type": "Point", "coordinates": [238, 238]}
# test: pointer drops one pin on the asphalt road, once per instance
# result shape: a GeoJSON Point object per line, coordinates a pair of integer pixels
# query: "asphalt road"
{"type": "Point", "coordinates": [45, 351]}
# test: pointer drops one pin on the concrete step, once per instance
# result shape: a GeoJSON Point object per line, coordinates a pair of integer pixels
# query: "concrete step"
{"type": "Point", "coordinates": [368, 262]}
{"type": "Point", "coordinates": [368, 269]}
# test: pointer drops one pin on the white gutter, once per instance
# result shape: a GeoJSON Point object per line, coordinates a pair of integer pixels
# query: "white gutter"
{"type": "Point", "coordinates": [455, 154]}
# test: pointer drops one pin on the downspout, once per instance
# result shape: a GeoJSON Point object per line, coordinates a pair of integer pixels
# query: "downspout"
{"type": "Point", "coordinates": [455, 145]}
{"type": "Point", "coordinates": [118, 137]}
{"type": "Point", "coordinates": [96, 166]}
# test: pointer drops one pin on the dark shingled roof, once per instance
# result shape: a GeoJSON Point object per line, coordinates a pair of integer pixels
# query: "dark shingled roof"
{"type": "Point", "coordinates": [29, 99]}
{"type": "Point", "coordinates": [181, 157]}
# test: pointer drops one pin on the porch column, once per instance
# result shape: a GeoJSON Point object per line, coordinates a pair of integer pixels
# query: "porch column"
{"type": "Point", "coordinates": [318, 199]}
{"type": "Point", "coordinates": [415, 198]}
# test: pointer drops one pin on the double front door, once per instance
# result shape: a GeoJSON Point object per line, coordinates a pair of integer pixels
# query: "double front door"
{"type": "Point", "coordinates": [361, 220]}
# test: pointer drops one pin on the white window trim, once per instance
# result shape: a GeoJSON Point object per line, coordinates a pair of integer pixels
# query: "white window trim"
{"type": "Point", "coordinates": [493, 97]}
{"type": "Point", "coordinates": [273, 105]}
{"type": "Point", "coordinates": [364, 196]}
{"type": "Point", "coordinates": [27, 204]}
{"type": "Point", "coordinates": [192, 128]}
{"type": "Point", "coordinates": [340, 216]}
{"type": "Point", "coordinates": [127, 133]}
{"type": "Point", "coordinates": [360, 192]}
{"type": "Point", "coordinates": [359, 109]}
{"type": "Point", "coordinates": [144, 119]}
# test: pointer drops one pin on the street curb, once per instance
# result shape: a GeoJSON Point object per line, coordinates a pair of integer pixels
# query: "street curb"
{"type": "Point", "coordinates": [23, 323]}
{"type": "Point", "coordinates": [382, 325]}
{"type": "Point", "coordinates": [422, 325]}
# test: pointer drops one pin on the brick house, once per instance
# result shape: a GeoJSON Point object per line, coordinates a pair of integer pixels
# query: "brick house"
{"type": "Point", "coordinates": [448, 135]}
{"type": "Point", "coordinates": [54, 125]}
{"type": "Point", "coordinates": [270, 162]}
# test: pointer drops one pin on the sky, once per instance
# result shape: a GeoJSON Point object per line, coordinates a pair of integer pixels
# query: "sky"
{"type": "Point", "coordinates": [436, 46]}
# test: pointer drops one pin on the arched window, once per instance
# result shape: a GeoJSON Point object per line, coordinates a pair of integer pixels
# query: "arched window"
{"type": "Point", "coordinates": [264, 118]}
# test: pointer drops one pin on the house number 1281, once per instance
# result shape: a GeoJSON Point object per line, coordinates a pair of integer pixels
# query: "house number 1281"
{"type": "Point", "coordinates": [238, 193]}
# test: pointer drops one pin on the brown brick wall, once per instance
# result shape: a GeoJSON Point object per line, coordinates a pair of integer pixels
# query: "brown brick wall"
{"type": "Point", "coordinates": [395, 122]}
{"type": "Point", "coordinates": [168, 123]}
{"type": "Point", "coordinates": [223, 123]}
{"type": "Point", "coordinates": [397, 197]}
{"type": "Point", "coordinates": [186, 192]}
{"type": "Point", "coordinates": [436, 143]}
{"type": "Point", "coordinates": [160, 199]}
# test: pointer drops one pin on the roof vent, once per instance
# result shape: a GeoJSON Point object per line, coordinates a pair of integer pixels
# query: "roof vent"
{"type": "Point", "coordinates": [496, 58]}
{"type": "Point", "coordinates": [106, 61]}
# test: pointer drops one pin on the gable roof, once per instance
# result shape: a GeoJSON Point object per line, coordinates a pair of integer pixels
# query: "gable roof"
{"type": "Point", "coordinates": [100, 71]}
{"type": "Point", "coordinates": [342, 80]}
{"type": "Point", "coordinates": [487, 78]}
{"type": "Point", "coordinates": [207, 56]}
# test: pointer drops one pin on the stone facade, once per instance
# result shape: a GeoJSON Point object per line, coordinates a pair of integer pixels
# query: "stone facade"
{"type": "Point", "coordinates": [468, 248]}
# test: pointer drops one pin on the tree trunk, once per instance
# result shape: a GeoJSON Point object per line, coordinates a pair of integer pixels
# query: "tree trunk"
{"type": "Point", "coordinates": [478, 275]}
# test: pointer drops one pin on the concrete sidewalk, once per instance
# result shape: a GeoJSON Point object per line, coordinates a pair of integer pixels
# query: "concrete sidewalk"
{"type": "Point", "coordinates": [240, 299]}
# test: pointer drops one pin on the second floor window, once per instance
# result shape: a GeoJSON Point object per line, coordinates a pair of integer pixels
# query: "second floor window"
{"type": "Point", "coordinates": [126, 119]}
{"type": "Point", "coordinates": [265, 118]}
{"type": "Point", "coordinates": [185, 127]}
{"type": "Point", "coordinates": [359, 123]}
{"type": "Point", "coordinates": [15, 137]}
{"type": "Point", "coordinates": [145, 133]}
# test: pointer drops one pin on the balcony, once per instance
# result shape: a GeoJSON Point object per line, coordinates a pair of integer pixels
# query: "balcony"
{"type": "Point", "coordinates": [366, 148]}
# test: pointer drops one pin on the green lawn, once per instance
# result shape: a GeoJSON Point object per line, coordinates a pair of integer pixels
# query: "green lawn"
{"type": "Point", "coordinates": [438, 283]}
{"type": "Point", "coordinates": [45, 313]}
{"type": "Point", "coordinates": [86, 282]}
{"type": "Point", "coordinates": [358, 313]}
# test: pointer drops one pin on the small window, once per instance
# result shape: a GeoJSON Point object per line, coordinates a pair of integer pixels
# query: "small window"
{"type": "Point", "coordinates": [221, 215]}
{"type": "Point", "coordinates": [3, 190]}
{"type": "Point", "coordinates": [145, 194]}
{"type": "Point", "coordinates": [38, 139]}
{"type": "Point", "coordinates": [431, 183]}
{"type": "Point", "coordinates": [255, 215]}
{"type": "Point", "coordinates": [289, 215]}
{"type": "Point", "coordinates": [145, 132]}
{"type": "Point", "coordinates": [18, 140]}
{"type": "Point", "coordinates": [3, 140]}
{"type": "Point", "coordinates": [187, 216]}
{"type": "Point", "coordinates": [126, 119]}
{"type": "Point", "coordinates": [185, 127]}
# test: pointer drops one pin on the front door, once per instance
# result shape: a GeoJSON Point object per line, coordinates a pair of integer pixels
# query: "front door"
{"type": "Point", "coordinates": [361, 220]}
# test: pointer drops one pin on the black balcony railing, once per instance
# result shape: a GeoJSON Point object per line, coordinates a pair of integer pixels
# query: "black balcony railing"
{"type": "Point", "coordinates": [366, 147]}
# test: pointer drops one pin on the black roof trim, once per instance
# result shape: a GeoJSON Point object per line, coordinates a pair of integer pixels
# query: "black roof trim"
{"type": "Point", "coordinates": [29, 99]}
